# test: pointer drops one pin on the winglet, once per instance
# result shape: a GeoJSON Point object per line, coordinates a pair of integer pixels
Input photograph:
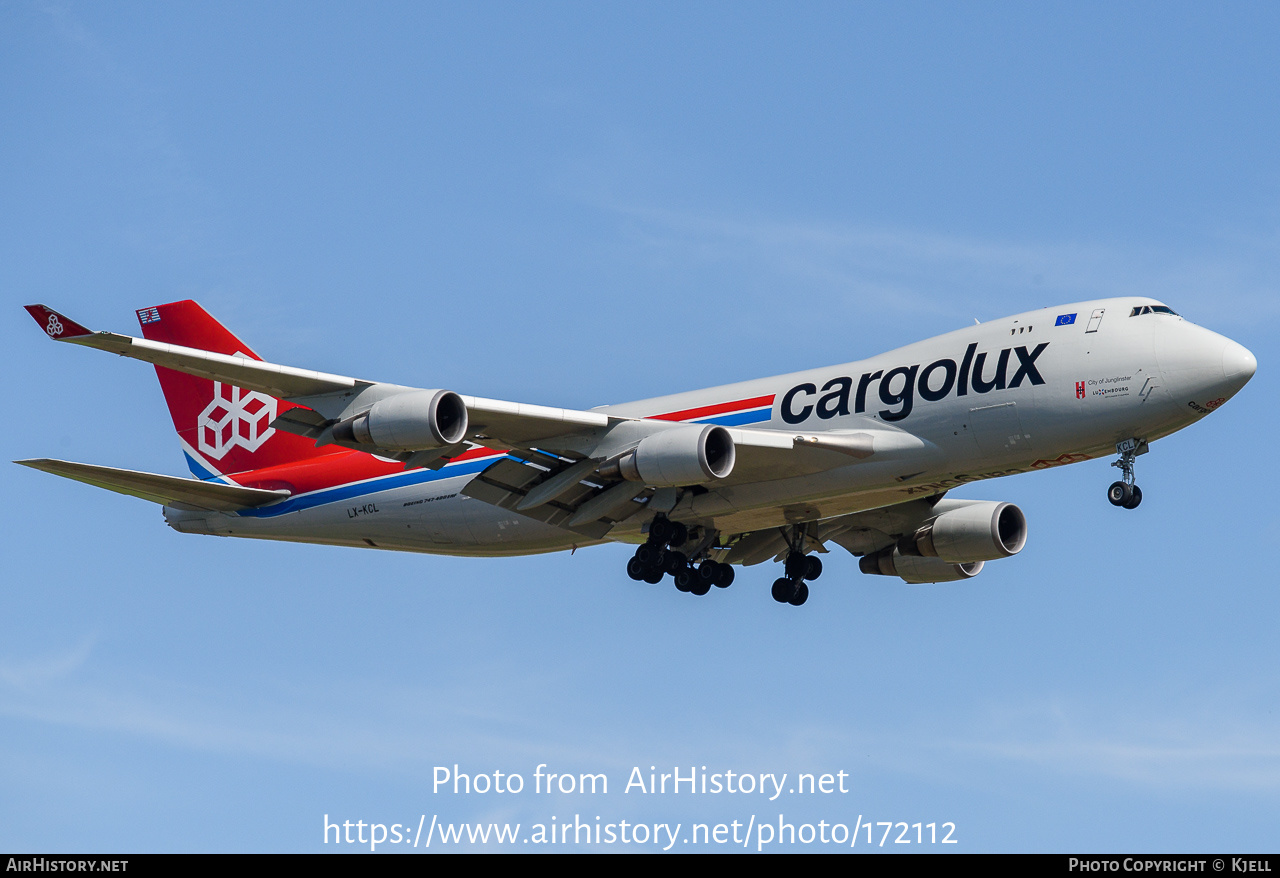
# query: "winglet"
{"type": "Point", "coordinates": [58, 326]}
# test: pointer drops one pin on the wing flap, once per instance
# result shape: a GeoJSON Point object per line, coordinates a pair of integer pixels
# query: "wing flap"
{"type": "Point", "coordinates": [166, 490]}
{"type": "Point", "coordinates": [508, 483]}
{"type": "Point", "coordinates": [757, 547]}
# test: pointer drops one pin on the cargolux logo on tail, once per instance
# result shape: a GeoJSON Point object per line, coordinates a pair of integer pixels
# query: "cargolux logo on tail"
{"type": "Point", "coordinates": [241, 419]}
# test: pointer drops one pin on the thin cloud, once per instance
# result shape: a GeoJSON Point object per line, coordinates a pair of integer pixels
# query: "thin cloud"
{"type": "Point", "coordinates": [906, 270]}
{"type": "Point", "coordinates": [1190, 746]}
{"type": "Point", "coordinates": [36, 672]}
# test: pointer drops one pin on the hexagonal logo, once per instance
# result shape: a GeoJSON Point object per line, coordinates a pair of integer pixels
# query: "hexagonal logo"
{"type": "Point", "coordinates": [241, 418]}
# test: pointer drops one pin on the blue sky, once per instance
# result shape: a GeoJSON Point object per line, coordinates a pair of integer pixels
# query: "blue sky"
{"type": "Point", "coordinates": [574, 205]}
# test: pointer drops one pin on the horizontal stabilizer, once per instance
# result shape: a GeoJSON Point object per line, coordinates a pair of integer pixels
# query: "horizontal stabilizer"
{"type": "Point", "coordinates": [168, 490]}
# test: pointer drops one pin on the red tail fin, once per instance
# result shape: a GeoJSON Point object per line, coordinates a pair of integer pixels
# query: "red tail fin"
{"type": "Point", "coordinates": [223, 429]}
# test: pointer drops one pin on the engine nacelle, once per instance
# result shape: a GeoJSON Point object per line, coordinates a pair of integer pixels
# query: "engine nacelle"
{"type": "Point", "coordinates": [687, 455]}
{"type": "Point", "coordinates": [915, 569]}
{"type": "Point", "coordinates": [411, 421]}
{"type": "Point", "coordinates": [981, 530]}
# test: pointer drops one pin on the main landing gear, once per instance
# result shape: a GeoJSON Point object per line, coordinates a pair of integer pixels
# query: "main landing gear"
{"type": "Point", "coordinates": [797, 567]}
{"type": "Point", "coordinates": [654, 560]}
{"type": "Point", "coordinates": [671, 550]}
{"type": "Point", "coordinates": [1125, 492]}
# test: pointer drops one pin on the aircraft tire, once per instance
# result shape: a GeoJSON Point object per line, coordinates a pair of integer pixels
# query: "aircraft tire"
{"type": "Point", "coordinates": [635, 569]}
{"type": "Point", "coordinates": [724, 575]}
{"type": "Point", "coordinates": [813, 567]}
{"type": "Point", "coordinates": [674, 562]}
{"type": "Point", "coordinates": [660, 531]}
{"type": "Point", "coordinates": [1119, 493]}
{"type": "Point", "coordinates": [700, 587]}
{"type": "Point", "coordinates": [650, 554]}
{"type": "Point", "coordinates": [782, 590]}
{"type": "Point", "coordinates": [679, 535]}
{"type": "Point", "coordinates": [801, 595]}
{"type": "Point", "coordinates": [1135, 499]}
{"type": "Point", "coordinates": [686, 579]}
{"type": "Point", "coordinates": [654, 575]}
{"type": "Point", "coordinates": [795, 565]}
{"type": "Point", "coordinates": [707, 572]}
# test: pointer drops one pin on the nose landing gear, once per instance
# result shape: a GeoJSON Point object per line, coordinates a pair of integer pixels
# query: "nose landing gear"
{"type": "Point", "coordinates": [1125, 492]}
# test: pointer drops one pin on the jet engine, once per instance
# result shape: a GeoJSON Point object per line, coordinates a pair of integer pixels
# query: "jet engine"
{"type": "Point", "coordinates": [916, 570]}
{"type": "Point", "coordinates": [409, 421]}
{"type": "Point", "coordinates": [968, 531]}
{"type": "Point", "coordinates": [687, 455]}
{"type": "Point", "coordinates": [953, 544]}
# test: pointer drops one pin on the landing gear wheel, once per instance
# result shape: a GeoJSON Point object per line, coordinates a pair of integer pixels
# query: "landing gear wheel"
{"type": "Point", "coordinates": [660, 530]}
{"type": "Point", "coordinates": [707, 572]}
{"type": "Point", "coordinates": [674, 562]}
{"type": "Point", "coordinates": [1120, 494]}
{"type": "Point", "coordinates": [782, 590]}
{"type": "Point", "coordinates": [679, 535]}
{"type": "Point", "coordinates": [801, 595]}
{"type": "Point", "coordinates": [813, 567]}
{"type": "Point", "coordinates": [1126, 492]}
{"type": "Point", "coordinates": [654, 576]}
{"type": "Point", "coordinates": [636, 570]}
{"type": "Point", "coordinates": [686, 579]}
{"type": "Point", "coordinates": [700, 586]}
{"type": "Point", "coordinates": [650, 554]}
{"type": "Point", "coordinates": [724, 575]}
{"type": "Point", "coordinates": [796, 565]}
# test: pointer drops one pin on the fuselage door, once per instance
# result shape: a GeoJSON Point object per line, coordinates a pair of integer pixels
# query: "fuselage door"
{"type": "Point", "coordinates": [998, 429]}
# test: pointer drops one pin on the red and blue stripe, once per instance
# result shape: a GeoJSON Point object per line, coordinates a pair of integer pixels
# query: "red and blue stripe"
{"type": "Point", "coordinates": [726, 414]}
{"type": "Point", "coordinates": [345, 474]}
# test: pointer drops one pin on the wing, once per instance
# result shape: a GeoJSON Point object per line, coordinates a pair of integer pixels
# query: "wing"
{"type": "Point", "coordinates": [583, 470]}
{"type": "Point", "coordinates": [333, 397]}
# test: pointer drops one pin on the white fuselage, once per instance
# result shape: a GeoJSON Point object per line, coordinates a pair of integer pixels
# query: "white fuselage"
{"type": "Point", "coordinates": [1009, 396]}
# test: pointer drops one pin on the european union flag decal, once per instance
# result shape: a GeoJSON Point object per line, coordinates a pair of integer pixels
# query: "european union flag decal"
{"type": "Point", "coordinates": [1065, 320]}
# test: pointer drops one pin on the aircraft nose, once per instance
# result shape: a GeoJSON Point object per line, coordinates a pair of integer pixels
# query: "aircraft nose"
{"type": "Point", "coordinates": [1201, 366]}
{"type": "Point", "coordinates": [1238, 364]}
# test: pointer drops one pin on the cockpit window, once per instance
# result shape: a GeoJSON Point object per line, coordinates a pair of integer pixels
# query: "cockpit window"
{"type": "Point", "coordinates": [1152, 309]}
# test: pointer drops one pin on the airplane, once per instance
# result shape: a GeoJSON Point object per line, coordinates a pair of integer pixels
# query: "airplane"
{"type": "Point", "coordinates": [861, 456]}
